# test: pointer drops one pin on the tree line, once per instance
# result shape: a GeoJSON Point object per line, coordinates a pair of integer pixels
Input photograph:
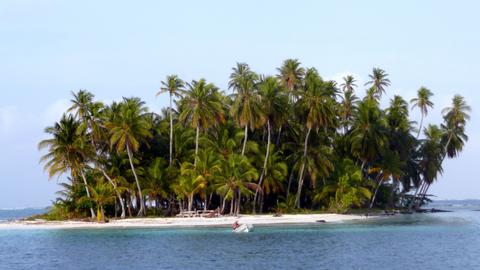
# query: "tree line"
{"type": "Point", "coordinates": [276, 143]}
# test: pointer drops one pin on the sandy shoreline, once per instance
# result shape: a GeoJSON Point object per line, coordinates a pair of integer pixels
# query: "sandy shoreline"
{"type": "Point", "coordinates": [183, 222]}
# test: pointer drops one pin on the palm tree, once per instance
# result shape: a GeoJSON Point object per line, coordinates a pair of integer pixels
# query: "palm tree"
{"type": "Point", "coordinates": [274, 173]}
{"type": "Point", "coordinates": [347, 108]}
{"type": "Point", "coordinates": [431, 154]}
{"type": "Point", "coordinates": [455, 119]}
{"type": "Point", "coordinates": [291, 74]}
{"type": "Point", "coordinates": [390, 166]}
{"type": "Point", "coordinates": [207, 169]}
{"type": "Point", "coordinates": [127, 131]}
{"type": "Point", "coordinates": [190, 183]}
{"type": "Point", "coordinates": [174, 86]}
{"type": "Point", "coordinates": [347, 189]}
{"type": "Point", "coordinates": [157, 186]}
{"type": "Point", "coordinates": [422, 101]}
{"type": "Point", "coordinates": [397, 116]}
{"type": "Point", "coordinates": [202, 107]}
{"type": "Point", "coordinates": [273, 102]}
{"type": "Point", "coordinates": [431, 157]}
{"type": "Point", "coordinates": [67, 151]}
{"type": "Point", "coordinates": [238, 174]}
{"type": "Point", "coordinates": [320, 113]}
{"type": "Point", "coordinates": [89, 113]}
{"type": "Point", "coordinates": [454, 137]}
{"type": "Point", "coordinates": [369, 132]}
{"type": "Point", "coordinates": [102, 194]}
{"type": "Point", "coordinates": [245, 108]}
{"type": "Point", "coordinates": [378, 81]}
{"type": "Point", "coordinates": [348, 84]}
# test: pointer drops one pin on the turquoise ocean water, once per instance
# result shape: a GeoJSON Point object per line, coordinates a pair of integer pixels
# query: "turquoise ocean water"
{"type": "Point", "coordinates": [419, 241]}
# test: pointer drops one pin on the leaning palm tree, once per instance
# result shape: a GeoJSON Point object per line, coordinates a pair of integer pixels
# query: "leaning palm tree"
{"type": "Point", "coordinates": [246, 105]}
{"type": "Point", "coordinates": [127, 130]}
{"type": "Point", "coordinates": [202, 107]}
{"type": "Point", "coordinates": [291, 74]}
{"type": "Point", "coordinates": [67, 151]}
{"type": "Point", "coordinates": [431, 153]}
{"type": "Point", "coordinates": [422, 101]}
{"type": "Point", "coordinates": [378, 81]}
{"type": "Point", "coordinates": [455, 118]}
{"type": "Point", "coordinates": [430, 165]}
{"type": "Point", "coordinates": [90, 113]}
{"type": "Point", "coordinates": [174, 86]}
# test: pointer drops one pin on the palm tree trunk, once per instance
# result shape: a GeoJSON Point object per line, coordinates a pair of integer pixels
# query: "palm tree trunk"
{"type": "Point", "coordinates": [446, 147]}
{"type": "Point", "coordinates": [391, 200]}
{"type": "Point", "coordinates": [190, 202]}
{"type": "Point", "coordinates": [92, 212]}
{"type": "Point", "coordinates": [418, 193]}
{"type": "Point", "coordinates": [363, 166]}
{"type": "Point", "coordinates": [223, 204]}
{"type": "Point", "coordinates": [376, 191]}
{"type": "Point", "coordinates": [239, 201]}
{"type": "Point", "coordinates": [129, 204]}
{"type": "Point", "coordinates": [420, 128]}
{"type": "Point", "coordinates": [171, 131]}
{"type": "Point", "coordinates": [245, 140]}
{"type": "Point", "coordinates": [425, 192]}
{"type": "Point", "coordinates": [122, 204]}
{"type": "Point", "coordinates": [196, 146]}
{"type": "Point", "coordinates": [267, 153]}
{"type": "Point", "coordinates": [262, 198]}
{"type": "Point", "coordinates": [102, 211]}
{"type": "Point", "coordinates": [290, 179]}
{"type": "Point", "coordinates": [421, 195]}
{"type": "Point", "coordinates": [414, 198]}
{"type": "Point", "coordinates": [277, 143]}
{"type": "Point", "coordinates": [300, 179]}
{"type": "Point", "coordinates": [427, 186]}
{"type": "Point", "coordinates": [205, 207]}
{"type": "Point", "coordinates": [232, 203]}
{"type": "Point", "coordinates": [141, 211]}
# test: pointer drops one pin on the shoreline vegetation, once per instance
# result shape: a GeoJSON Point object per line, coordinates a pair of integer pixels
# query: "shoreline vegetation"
{"type": "Point", "coordinates": [287, 143]}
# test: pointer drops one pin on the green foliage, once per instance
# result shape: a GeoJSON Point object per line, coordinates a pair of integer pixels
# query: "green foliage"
{"type": "Point", "coordinates": [348, 189]}
{"type": "Point", "coordinates": [277, 142]}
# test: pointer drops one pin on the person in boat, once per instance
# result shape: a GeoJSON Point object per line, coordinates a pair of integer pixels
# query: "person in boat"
{"type": "Point", "coordinates": [235, 225]}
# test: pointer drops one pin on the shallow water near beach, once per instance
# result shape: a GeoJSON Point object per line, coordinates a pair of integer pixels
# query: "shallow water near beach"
{"type": "Point", "coordinates": [419, 241]}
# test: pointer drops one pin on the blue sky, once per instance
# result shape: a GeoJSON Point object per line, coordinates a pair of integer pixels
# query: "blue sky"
{"type": "Point", "coordinates": [125, 48]}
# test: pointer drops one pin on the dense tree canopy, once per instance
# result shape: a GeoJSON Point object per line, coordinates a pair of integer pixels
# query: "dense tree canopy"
{"type": "Point", "coordinates": [276, 143]}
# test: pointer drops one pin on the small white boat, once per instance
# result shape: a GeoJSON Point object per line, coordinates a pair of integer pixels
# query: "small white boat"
{"type": "Point", "coordinates": [244, 228]}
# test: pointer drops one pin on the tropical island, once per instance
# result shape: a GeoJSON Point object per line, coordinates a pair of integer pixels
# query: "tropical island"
{"type": "Point", "coordinates": [285, 143]}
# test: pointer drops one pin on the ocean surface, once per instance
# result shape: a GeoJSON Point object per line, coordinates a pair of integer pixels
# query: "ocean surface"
{"type": "Point", "coordinates": [419, 241]}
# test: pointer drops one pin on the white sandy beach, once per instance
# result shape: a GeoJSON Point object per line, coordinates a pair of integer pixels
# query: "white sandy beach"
{"type": "Point", "coordinates": [175, 222]}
